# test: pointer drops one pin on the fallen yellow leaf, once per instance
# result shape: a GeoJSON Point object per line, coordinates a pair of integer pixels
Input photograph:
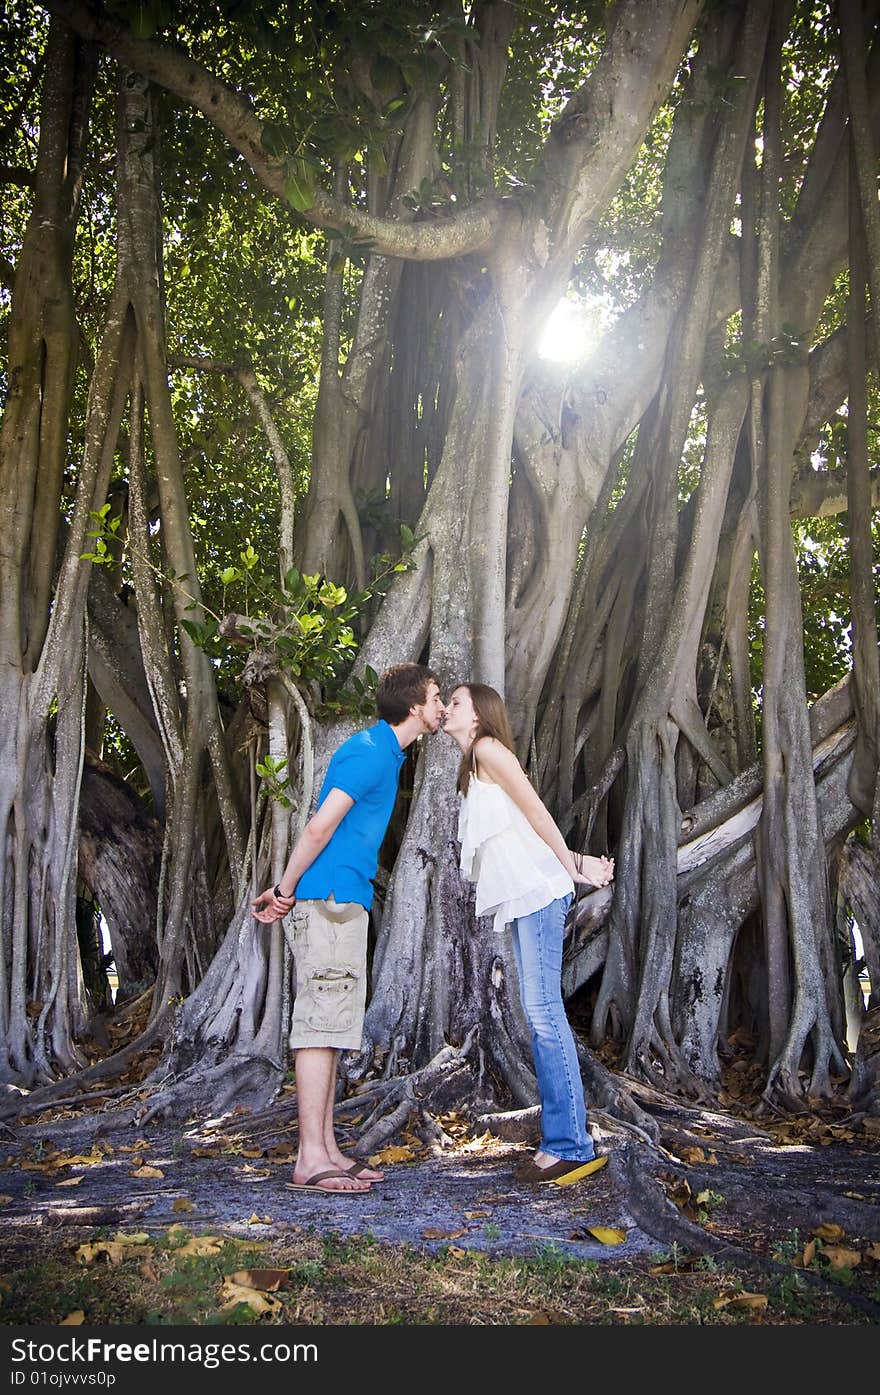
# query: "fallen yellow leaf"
{"type": "Point", "coordinates": [181, 1203]}
{"type": "Point", "coordinates": [74, 1319]}
{"type": "Point", "coordinates": [113, 1251]}
{"type": "Point", "coordinates": [266, 1280]}
{"type": "Point", "coordinates": [839, 1257]}
{"type": "Point", "coordinates": [137, 1237]}
{"type": "Point", "coordinates": [147, 1172]}
{"type": "Point", "coordinates": [457, 1252]}
{"type": "Point", "coordinates": [828, 1231]}
{"type": "Point", "coordinates": [70, 1181]}
{"type": "Point", "coordinates": [804, 1260]}
{"type": "Point", "coordinates": [476, 1145]}
{"type": "Point", "coordinates": [758, 1301]}
{"type": "Point", "coordinates": [433, 1234]}
{"type": "Point", "coordinates": [201, 1245]}
{"type": "Point", "coordinates": [477, 1215]}
{"type": "Point", "coordinates": [254, 1219]}
{"type": "Point", "coordinates": [873, 1251]}
{"type": "Point", "coordinates": [259, 1303]}
{"type": "Point", "coordinates": [391, 1155]}
{"type": "Point", "coordinates": [609, 1235]}
{"type": "Point", "coordinates": [5, 1199]}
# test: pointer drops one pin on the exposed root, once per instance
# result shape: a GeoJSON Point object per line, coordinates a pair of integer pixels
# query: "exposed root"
{"type": "Point", "coordinates": [614, 1095]}
{"type": "Point", "coordinates": [438, 1086]}
{"type": "Point", "coordinates": [15, 1104]}
{"type": "Point", "coordinates": [513, 1125]}
{"type": "Point", "coordinates": [214, 1089]}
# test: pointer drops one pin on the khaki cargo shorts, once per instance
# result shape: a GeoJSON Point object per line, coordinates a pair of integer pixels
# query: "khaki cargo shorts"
{"type": "Point", "coordinates": [330, 953]}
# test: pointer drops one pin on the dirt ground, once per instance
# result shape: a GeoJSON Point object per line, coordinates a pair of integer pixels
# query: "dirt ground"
{"type": "Point", "coordinates": [721, 1184]}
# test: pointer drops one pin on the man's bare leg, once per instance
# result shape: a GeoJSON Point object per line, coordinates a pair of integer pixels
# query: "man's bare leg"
{"type": "Point", "coordinates": [368, 1174]}
{"type": "Point", "coordinates": [315, 1078]}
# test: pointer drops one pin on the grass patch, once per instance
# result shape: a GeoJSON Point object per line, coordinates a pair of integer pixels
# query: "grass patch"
{"type": "Point", "coordinates": [355, 1280]}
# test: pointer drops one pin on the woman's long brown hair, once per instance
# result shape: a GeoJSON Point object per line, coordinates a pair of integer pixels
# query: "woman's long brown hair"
{"type": "Point", "coordinates": [492, 720]}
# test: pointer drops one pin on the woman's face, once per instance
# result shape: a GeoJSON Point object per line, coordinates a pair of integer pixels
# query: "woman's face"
{"type": "Point", "coordinates": [460, 714]}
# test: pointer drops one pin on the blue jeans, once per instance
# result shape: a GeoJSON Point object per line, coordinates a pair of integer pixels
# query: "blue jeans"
{"type": "Point", "coordinates": [537, 940]}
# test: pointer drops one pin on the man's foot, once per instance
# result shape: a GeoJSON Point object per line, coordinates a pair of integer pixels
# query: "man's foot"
{"type": "Point", "coordinates": [326, 1176]}
{"type": "Point", "coordinates": [353, 1166]}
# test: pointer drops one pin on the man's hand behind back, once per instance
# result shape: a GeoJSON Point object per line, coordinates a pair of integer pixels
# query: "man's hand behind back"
{"type": "Point", "coordinates": [268, 907]}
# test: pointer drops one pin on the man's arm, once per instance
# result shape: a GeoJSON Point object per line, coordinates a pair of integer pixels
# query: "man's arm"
{"type": "Point", "coordinates": [313, 840]}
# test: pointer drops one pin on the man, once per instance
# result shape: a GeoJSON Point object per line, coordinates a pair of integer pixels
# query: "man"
{"type": "Point", "coordinates": [328, 878]}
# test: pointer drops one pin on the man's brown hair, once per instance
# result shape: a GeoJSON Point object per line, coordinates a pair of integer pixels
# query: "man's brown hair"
{"type": "Point", "coordinates": [401, 687]}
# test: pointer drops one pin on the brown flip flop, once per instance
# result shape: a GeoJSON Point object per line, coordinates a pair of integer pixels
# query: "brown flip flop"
{"type": "Point", "coordinates": [312, 1184]}
{"type": "Point", "coordinates": [358, 1168]}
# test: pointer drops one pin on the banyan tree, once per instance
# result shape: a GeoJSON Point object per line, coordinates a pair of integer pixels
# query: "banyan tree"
{"type": "Point", "coordinates": [276, 280]}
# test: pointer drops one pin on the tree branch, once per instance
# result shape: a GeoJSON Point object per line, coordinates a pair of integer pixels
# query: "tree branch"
{"type": "Point", "coordinates": [18, 174]}
{"type": "Point", "coordinates": [607, 116]}
{"type": "Point", "coordinates": [232, 113]}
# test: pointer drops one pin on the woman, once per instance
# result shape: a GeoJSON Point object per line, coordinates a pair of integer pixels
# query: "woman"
{"type": "Point", "coordinates": [512, 849]}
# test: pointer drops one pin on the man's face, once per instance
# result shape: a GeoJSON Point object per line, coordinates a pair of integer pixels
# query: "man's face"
{"type": "Point", "coordinates": [430, 712]}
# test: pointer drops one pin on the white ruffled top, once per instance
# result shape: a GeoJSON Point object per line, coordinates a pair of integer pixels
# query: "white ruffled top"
{"type": "Point", "coordinates": [515, 871]}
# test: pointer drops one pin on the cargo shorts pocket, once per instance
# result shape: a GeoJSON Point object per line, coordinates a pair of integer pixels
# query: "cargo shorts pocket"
{"type": "Point", "coordinates": [332, 1000]}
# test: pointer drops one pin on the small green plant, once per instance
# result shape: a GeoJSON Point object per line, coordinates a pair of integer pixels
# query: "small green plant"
{"type": "Point", "coordinates": [708, 1264]}
{"type": "Point", "coordinates": [551, 1259]}
{"type": "Point", "coordinates": [492, 1231]}
{"type": "Point", "coordinates": [789, 1248]}
{"type": "Point", "coordinates": [305, 621]}
{"type": "Point", "coordinates": [275, 782]}
{"type": "Point", "coordinates": [706, 1200]}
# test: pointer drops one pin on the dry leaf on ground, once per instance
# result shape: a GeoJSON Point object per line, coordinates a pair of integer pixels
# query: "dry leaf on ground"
{"type": "Point", "coordinates": [74, 1319]}
{"type": "Point", "coordinates": [803, 1261]}
{"type": "Point", "coordinates": [147, 1172]}
{"type": "Point", "coordinates": [109, 1249]}
{"type": "Point", "coordinates": [181, 1203]}
{"type": "Point", "coordinates": [758, 1301]}
{"type": "Point", "coordinates": [266, 1280]}
{"type": "Point", "coordinates": [839, 1257]}
{"type": "Point", "coordinates": [201, 1245]}
{"type": "Point", "coordinates": [609, 1235]}
{"type": "Point", "coordinates": [828, 1231]}
{"type": "Point", "coordinates": [259, 1303]}
{"type": "Point", "coordinates": [433, 1234]}
{"type": "Point", "coordinates": [395, 1154]}
{"type": "Point", "coordinates": [477, 1215]}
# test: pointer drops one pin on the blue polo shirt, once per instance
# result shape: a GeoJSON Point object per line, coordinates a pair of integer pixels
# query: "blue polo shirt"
{"type": "Point", "coordinates": [367, 767]}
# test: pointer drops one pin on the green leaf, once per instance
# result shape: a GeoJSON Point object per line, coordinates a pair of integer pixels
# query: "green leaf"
{"type": "Point", "coordinates": [299, 186]}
